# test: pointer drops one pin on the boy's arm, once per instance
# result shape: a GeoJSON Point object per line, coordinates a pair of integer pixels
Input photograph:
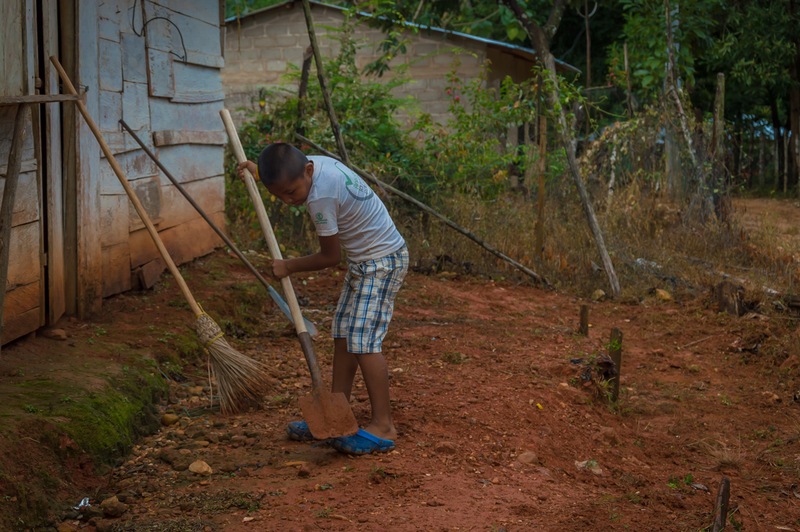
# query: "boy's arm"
{"type": "Point", "coordinates": [330, 255]}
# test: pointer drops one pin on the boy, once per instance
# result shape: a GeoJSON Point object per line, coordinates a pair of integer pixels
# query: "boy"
{"type": "Point", "coordinates": [347, 214]}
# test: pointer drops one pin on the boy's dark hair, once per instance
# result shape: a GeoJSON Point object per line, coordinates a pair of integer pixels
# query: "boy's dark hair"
{"type": "Point", "coordinates": [280, 161]}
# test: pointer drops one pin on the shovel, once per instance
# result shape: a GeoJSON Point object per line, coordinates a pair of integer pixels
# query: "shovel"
{"type": "Point", "coordinates": [328, 414]}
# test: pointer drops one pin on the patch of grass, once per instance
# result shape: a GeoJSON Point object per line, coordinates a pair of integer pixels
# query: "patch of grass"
{"type": "Point", "coordinates": [726, 457]}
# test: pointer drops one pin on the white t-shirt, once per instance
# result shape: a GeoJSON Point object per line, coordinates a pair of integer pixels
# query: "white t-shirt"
{"type": "Point", "coordinates": [341, 202]}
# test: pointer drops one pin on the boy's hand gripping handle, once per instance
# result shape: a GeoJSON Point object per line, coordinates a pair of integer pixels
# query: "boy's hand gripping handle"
{"type": "Point", "coordinates": [274, 250]}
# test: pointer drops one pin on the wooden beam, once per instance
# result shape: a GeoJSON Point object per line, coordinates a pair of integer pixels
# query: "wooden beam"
{"type": "Point", "coordinates": [9, 195]}
{"type": "Point", "coordinates": [38, 98]}
{"type": "Point", "coordinates": [721, 507]}
{"type": "Point", "coordinates": [584, 326]}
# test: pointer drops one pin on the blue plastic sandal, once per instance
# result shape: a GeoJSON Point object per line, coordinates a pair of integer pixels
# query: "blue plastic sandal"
{"type": "Point", "coordinates": [362, 442]}
{"type": "Point", "coordinates": [298, 431]}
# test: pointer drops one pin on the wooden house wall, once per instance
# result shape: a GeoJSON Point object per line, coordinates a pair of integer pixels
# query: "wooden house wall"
{"type": "Point", "coordinates": [172, 102]}
{"type": "Point", "coordinates": [24, 301]}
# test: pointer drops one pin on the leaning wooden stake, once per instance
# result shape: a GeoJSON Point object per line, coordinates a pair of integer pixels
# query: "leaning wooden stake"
{"type": "Point", "coordinates": [9, 195]}
{"type": "Point", "coordinates": [238, 377]}
{"type": "Point", "coordinates": [323, 84]}
{"type": "Point", "coordinates": [420, 205]}
{"type": "Point", "coordinates": [721, 507]}
{"type": "Point", "coordinates": [615, 354]}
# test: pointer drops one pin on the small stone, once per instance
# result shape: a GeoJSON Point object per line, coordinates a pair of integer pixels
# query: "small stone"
{"type": "Point", "coordinates": [169, 419]}
{"type": "Point", "coordinates": [187, 507]}
{"type": "Point", "coordinates": [92, 512]}
{"type": "Point", "coordinates": [496, 480]}
{"type": "Point", "coordinates": [446, 447]}
{"type": "Point", "coordinates": [790, 363]}
{"type": "Point", "coordinates": [180, 464]}
{"type": "Point", "coordinates": [66, 527]}
{"type": "Point", "coordinates": [304, 471]}
{"type": "Point", "coordinates": [13, 373]}
{"type": "Point", "coordinates": [227, 467]}
{"type": "Point", "coordinates": [55, 334]}
{"type": "Point", "coordinates": [528, 458]}
{"type": "Point", "coordinates": [663, 295]}
{"type": "Point", "coordinates": [113, 508]}
{"type": "Point", "coordinates": [598, 295]}
{"type": "Point", "coordinates": [200, 468]}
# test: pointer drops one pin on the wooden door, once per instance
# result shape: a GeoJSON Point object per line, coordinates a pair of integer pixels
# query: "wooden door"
{"type": "Point", "coordinates": [24, 303]}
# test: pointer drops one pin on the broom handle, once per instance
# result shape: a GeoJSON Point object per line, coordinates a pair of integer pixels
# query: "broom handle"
{"type": "Point", "coordinates": [128, 190]}
{"type": "Point", "coordinates": [261, 212]}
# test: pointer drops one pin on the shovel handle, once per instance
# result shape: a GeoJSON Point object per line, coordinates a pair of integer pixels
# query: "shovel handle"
{"type": "Point", "coordinates": [275, 251]}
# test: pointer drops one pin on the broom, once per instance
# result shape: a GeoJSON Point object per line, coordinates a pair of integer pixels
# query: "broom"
{"type": "Point", "coordinates": [238, 377]}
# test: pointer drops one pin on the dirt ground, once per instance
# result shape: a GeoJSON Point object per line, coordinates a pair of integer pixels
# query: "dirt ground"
{"type": "Point", "coordinates": [499, 428]}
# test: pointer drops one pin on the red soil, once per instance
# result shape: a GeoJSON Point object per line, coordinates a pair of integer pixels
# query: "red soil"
{"type": "Point", "coordinates": [481, 375]}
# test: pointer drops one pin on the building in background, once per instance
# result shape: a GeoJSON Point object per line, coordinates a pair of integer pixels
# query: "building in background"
{"type": "Point", "coordinates": [261, 45]}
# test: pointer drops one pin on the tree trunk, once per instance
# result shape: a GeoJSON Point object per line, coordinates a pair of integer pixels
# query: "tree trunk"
{"type": "Point", "coordinates": [540, 38]}
{"type": "Point", "coordinates": [761, 160]}
{"type": "Point", "coordinates": [588, 71]}
{"type": "Point", "coordinates": [301, 93]}
{"type": "Point", "coordinates": [776, 131]}
{"type": "Point", "coordinates": [794, 92]}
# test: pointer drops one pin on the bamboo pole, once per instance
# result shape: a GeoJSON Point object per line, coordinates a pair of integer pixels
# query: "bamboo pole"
{"type": "Point", "coordinates": [494, 251]}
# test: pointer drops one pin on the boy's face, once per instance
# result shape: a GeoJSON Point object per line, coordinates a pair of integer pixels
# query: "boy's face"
{"type": "Point", "coordinates": [294, 191]}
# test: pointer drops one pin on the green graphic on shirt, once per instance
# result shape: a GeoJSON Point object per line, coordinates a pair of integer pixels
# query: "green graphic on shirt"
{"type": "Point", "coordinates": [320, 220]}
{"type": "Point", "coordinates": [356, 188]}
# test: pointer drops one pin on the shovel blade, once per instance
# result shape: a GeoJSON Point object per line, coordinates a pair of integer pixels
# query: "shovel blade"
{"type": "Point", "coordinates": [328, 415]}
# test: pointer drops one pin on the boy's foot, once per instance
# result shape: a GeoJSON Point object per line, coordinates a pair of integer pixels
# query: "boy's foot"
{"type": "Point", "coordinates": [362, 442]}
{"type": "Point", "coordinates": [298, 431]}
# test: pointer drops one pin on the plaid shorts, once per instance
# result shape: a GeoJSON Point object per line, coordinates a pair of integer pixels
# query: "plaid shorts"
{"type": "Point", "coordinates": [367, 301]}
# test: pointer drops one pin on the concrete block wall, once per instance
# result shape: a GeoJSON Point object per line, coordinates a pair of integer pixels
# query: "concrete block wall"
{"type": "Point", "coordinates": [260, 49]}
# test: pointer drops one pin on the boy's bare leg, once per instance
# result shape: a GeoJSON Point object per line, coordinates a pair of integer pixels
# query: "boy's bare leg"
{"type": "Point", "coordinates": [376, 377]}
{"type": "Point", "coordinates": [345, 365]}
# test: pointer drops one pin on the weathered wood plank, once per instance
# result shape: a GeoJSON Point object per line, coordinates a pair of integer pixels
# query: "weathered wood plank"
{"type": "Point", "coordinates": [27, 166]}
{"type": "Point", "coordinates": [7, 114]}
{"type": "Point", "coordinates": [108, 29]}
{"type": "Point", "coordinates": [54, 203]}
{"type": "Point", "coordinates": [204, 10]}
{"type": "Point", "coordinates": [134, 58]}
{"type": "Point", "coordinates": [110, 110]}
{"type": "Point", "coordinates": [21, 299]}
{"type": "Point", "coordinates": [11, 66]}
{"type": "Point", "coordinates": [29, 46]}
{"type": "Point", "coordinates": [175, 210]}
{"type": "Point", "coordinates": [135, 164]}
{"type": "Point", "coordinates": [168, 115]}
{"type": "Point", "coordinates": [184, 242]}
{"type": "Point", "coordinates": [121, 142]}
{"type": "Point", "coordinates": [24, 248]}
{"type": "Point", "coordinates": [160, 77]}
{"type": "Point", "coordinates": [144, 277]}
{"type": "Point", "coordinates": [198, 97]}
{"type": "Point", "coordinates": [114, 216]}
{"type": "Point", "coordinates": [149, 193]}
{"type": "Point", "coordinates": [38, 98]}
{"type": "Point", "coordinates": [135, 105]}
{"type": "Point", "coordinates": [116, 269]}
{"type": "Point", "coordinates": [89, 259]}
{"type": "Point", "coordinates": [110, 65]}
{"type": "Point", "coordinates": [196, 34]}
{"type": "Point", "coordinates": [20, 325]}
{"type": "Point", "coordinates": [26, 200]}
{"type": "Point", "coordinates": [193, 78]}
{"type": "Point", "coordinates": [191, 162]}
{"type": "Point", "coordinates": [171, 137]}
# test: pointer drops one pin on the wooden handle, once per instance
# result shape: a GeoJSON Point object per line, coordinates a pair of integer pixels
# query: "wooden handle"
{"type": "Point", "coordinates": [128, 190]}
{"type": "Point", "coordinates": [263, 219]}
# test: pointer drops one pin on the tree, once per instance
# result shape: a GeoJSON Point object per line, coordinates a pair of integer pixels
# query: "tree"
{"type": "Point", "coordinates": [541, 37]}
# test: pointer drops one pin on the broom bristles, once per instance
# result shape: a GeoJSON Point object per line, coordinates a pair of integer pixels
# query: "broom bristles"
{"type": "Point", "coordinates": [239, 377]}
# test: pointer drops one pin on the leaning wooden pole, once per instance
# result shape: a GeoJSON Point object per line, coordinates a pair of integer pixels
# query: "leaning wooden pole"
{"type": "Point", "coordinates": [369, 177]}
{"type": "Point", "coordinates": [323, 84]}
{"type": "Point", "coordinates": [9, 195]}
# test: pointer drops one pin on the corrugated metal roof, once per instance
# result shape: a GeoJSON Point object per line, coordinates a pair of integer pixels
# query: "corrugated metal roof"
{"type": "Point", "coordinates": [512, 48]}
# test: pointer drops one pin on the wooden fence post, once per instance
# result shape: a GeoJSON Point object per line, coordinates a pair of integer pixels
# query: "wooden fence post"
{"type": "Point", "coordinates": [615, 354]}
{"type": "Point", "coordinates": [584, 326]}
{"type": "Point", "coordinates": [721, 506]}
